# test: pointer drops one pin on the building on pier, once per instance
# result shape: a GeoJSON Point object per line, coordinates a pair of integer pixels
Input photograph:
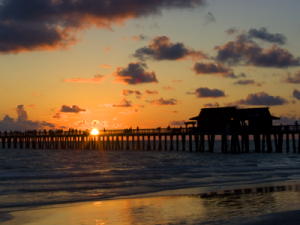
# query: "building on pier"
{"type": "Point", "coordinates": [221, 118]}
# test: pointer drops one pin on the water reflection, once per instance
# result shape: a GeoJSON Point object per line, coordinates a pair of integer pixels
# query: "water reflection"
{"type": "Point", "coordinates": [211, 208]}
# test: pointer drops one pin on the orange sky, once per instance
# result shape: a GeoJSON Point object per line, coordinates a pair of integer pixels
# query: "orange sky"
{"type": "Point", "coordinates": [86, 64]}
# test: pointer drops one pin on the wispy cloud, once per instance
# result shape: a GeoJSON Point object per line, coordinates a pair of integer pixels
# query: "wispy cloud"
{"type": "Point", "coordinates": [98, 79]}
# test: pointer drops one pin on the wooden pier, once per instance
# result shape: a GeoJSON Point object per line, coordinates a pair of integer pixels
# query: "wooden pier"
{"type": "Point", "coordinates": [271, 140]}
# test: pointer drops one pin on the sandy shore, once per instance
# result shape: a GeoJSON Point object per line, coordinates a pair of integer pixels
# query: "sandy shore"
{"type": "Point", "coordinates": [276, 207]}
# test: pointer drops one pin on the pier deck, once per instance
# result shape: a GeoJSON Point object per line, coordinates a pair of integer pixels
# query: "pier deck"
{"type": "Point", "coordinates": [178, 139]}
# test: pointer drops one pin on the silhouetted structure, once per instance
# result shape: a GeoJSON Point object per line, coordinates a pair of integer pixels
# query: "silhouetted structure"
{"type": "Point", "coordinates": [222, 118]}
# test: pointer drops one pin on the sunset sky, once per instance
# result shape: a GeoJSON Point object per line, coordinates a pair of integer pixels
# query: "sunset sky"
{"type": "Point", "coordinates": [148, 63]}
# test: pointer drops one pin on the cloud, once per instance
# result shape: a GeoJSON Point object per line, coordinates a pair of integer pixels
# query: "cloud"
{"type": "Point", "coordinates": [32, 106]}
{"type": "Point", "coordinates": [168, 88]}
{"type": "Point", "coordinates": [115, 125]}
{"type": "Point", "coordinates": [292, 79]}
{"type": "Point", "coordinates": [215, 69]}
{"type": "Point", "coordinates": [232, 30]}
{"type": "Point", "coordinates": [209, 18]}
{"type": "Point", "coordinates": [168, 111]}
{"type": "Point", "coordinates": [98, 79]}
{"type": "Point", "coordinates": [177, 122]}
{"type": "Point", "coordinates": [204, 92]}
{"type": "Point", "coordinates": [22, 114]}
{"type": "Point", "coordinates": [123, 103]}
{"type": "Point", "coordinates": [264, 35]}
{"type": "Point", "coordinates": [246, 52]}
{"type": "Point", "coordinates": [104, 66]}
{"type": "Point", "coordinates": [22, 123]}
{"type": "Point", "coordinates": [190, 93]}
{"type": "Point", "coordinates": [72, 109]}
{"type": "Point", "coordinates": [164, 102]}
{"type": "Point", "coordinates": [261, 98]}
{"type": "Point", "coordinates": [82, 122]}
{"type": "Point", "coordinates": [97, 123]}
{"type": "Point", "coordinates": [160, 48]}
{"type": "Point", "coordinates": [128, 112]}
{"type": "Point", "coordinates": [296, 94]}
{"type": "Point", "coordinates": [211, 105]}
{"type": "Point", "coordinates": [35, 94]}
{"type": "Point", "coordinates": [130, 92]}
{"type": "Point", "coordinates": [138, 38]}
{"type": "Point", "coordinates": [107, 49]}
{"type": "Point", "coordinates": [176, 81]}
{"type": "Point", "coordinates": [154, 26]}
{"type": "Point", "coordinates": [247, 82]}
{"type": "Point", "coordinates": [51, 24]}
{"type": "Point", "coordinates": [148, 92]}
{"type": "Point", "coordinates": [134, 74]}
{"type": "Point", "coordinates": [59, 116]}
{"type": "Point", "coordinates": [286, 120]}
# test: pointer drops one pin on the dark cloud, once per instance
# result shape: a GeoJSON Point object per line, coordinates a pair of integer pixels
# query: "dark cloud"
{"type": "Point", "coordinates": [211, 105]}
{"type": "Point", "coordinates": [22, 123]}
{"type": "Point", "coordinates": [59, 116]}
{"type": "Point", "coordinates": [51, 24]}
{"type": "Point", "coordinates": [190, 93]}
{"type": "Point", "coordinates": [205, 92]}
{"type": "Point", "coordinates": [130, 92]}
{"type": "Point", "coordinates": [215, 69]}
{"type": "Point", "coordinates": [134, 74]}
{"type": "Point", "coordinates": [209, 18]}
{"type": "Point", "coordinates": [171, 111]}
{"type": "Point", "coordinates": [262, 98]}
{"type": "Point", "coordinates": [160, 48]}
{"type": "Point", "coordinates": [123, 103]}
{"type": "Point", "coordinates": [264, 35]}
{"type": "Point", "coordinates": [296, 94]}
{"type": "Point", "coordinates": [248, 82]}
{"type": "Point", "coordinates": [245, 52]}
{"type": "Point", "coordinates": [72, 109]}
{"type": "Point", "coordinates": [292, 79]}
{"type": "Point", "coordinates": [22, 114]}
{"type": "Point", "coordinates": [163, 102]}
{"type": "Point", "coordinates": [231, 31]}
{"type": "Point", "coordinates": [140, 37]}
{"type": "Point", "coordinates": [177, 122]}
{"type": "Point", "coordinates": [148, 92]}
{"type": "Point", "coordinates": [286, 120]}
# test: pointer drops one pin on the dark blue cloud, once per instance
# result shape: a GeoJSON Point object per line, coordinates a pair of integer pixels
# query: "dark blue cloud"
{"type": "Point", "coordinates": [51, 24]}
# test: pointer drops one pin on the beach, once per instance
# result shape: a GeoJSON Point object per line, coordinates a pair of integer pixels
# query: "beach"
{"type": "Point", "coordinates": [250, 209]}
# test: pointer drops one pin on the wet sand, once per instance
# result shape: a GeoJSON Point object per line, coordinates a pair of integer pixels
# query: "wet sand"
{"type": "Point", "coordinates": [232, 207]}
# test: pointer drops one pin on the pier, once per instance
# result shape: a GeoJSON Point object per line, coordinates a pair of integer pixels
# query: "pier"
{"type": "Point", "coordinates": [273, 139]}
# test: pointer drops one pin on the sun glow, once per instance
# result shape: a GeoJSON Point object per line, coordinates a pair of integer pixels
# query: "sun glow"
{"type": "Point", "coordinates": [94, 132]}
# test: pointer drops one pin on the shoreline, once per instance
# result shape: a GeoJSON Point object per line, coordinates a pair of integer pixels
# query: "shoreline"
{"type": "Point", "coordinates": [185, 201]}
{"type": "Point", "coordinates": [203, 192]}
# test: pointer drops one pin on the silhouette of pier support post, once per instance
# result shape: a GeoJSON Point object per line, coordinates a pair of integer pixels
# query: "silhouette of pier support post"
{"type": "Point", "coordinates": [148, 143]}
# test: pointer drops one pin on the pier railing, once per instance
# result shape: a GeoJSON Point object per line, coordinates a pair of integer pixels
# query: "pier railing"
{"type": "Point", "coordinates": [233, 139]}
{"type": "Point", "coordinates": [156, 131]}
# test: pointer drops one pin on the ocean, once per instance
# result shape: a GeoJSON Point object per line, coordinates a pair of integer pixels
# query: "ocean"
{"type": "Point", "coordinates": [32, 178]}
